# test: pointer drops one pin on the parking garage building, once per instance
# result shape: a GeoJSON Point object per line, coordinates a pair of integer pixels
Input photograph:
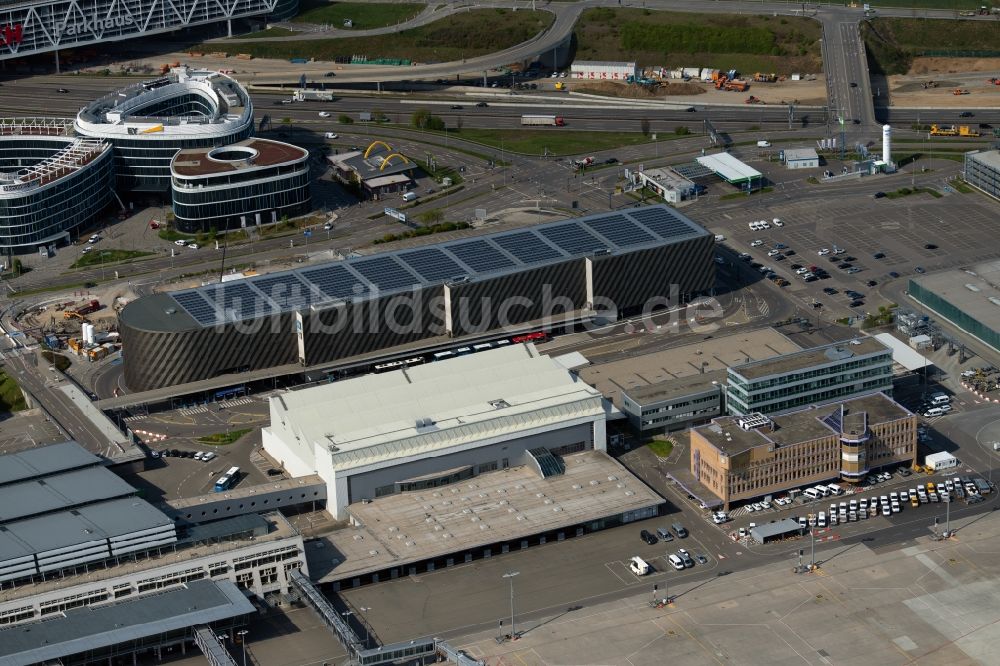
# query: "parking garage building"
{"type": "Point", "coordinates": [613, 263]}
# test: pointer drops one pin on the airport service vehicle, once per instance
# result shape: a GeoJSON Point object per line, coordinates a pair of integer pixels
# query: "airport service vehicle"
{"type": "Point", "coordinates": [638, 566]}
{"type": "Point", "coordinates": [550, 121]}
{"type": "Point", "coordinates": [227, 480]}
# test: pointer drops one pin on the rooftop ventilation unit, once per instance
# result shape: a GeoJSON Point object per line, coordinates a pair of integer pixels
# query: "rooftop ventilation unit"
{"type": "Point", "coordinates": [994, 300]}
{"type": "Point", "coordinates": [972, 287]}
{"type": "Point", "coordinates": [499, 403]}
{"type": "Point", "coordinates": [425, 422]}
{"type": "Point", "coordinates": [753, 421]}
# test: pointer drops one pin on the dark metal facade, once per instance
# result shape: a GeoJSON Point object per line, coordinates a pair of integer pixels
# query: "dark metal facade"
{"type": "Point", "coordinates": [363, 327]}
{"type": "Point", "coordinates": [549, 292]}
{"type": "Point", "coordinates": [161, 358]}
{"type": "Point", "coordinates": [154, 359]}
{"type": "Point", "coordinates": [647, 277]}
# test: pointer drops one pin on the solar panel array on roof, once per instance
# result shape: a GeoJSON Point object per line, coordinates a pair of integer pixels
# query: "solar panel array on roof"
{"type": "Point", "coordinates": [480, 256]}
{"type": "Point", "coordinates": [286, 290]}
{"type": "Point", "coordinates": [432, 264]}
{"type": "Point", "coordinates": [362, 277]}
{"type": "Point", "coordinates": [335, 281]}
{"type": "Point", "coordinates": [385, 273]}
{"type": "Point", "coordinates": [573, 239]}
{"type": "Point", "coordinates": [196, 306]}
{"type": "Point", "coordinates": [662, 221]}
{"type": "Point", "coordinates": [527, 247]}
{"type": "Point", "coordinates": [238, 300]}
{"type": "Point", "coordinates": [620, 230]}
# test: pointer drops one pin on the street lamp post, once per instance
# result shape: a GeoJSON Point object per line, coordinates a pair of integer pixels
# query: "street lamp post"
{"type": "Point", "coordinates": [365, 609]}
{"type": "Point", "coordinates": [510, 576]}
{"type": "Point", "coordinates": [243, 643]}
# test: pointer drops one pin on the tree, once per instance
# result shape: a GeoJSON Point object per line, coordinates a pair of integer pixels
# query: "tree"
{"type": "Point", "coordinates": [680, 130]}
{"type": "Point", "coordinates": [644, 126]}
{"type": "Point", "coordinates": [419, 118]}
{"type": "Point", "coordinates": [432, 216]}
{"type": "Point", "coordinates": [345, 119]}
{"type": "Point", "coordinates": [16, 267]}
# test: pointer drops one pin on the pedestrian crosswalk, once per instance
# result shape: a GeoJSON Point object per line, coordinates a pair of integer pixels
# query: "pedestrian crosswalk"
{"type": "Point", "coordinates": [201, 409]}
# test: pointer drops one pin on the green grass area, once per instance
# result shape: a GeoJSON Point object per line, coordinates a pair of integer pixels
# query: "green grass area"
{"type": "Point", "coordinates": [99, 256]}
{"type": "Point", "coordinates": [892, 43]}
{"type": "Point", "coordinates": [456, 37]}
{"type": "Point", "coordinates": [661, 448]}
{"type": "Point", "coordinates": [960, 186]}
{"type": "Point", "coordinates": [906, 191]}
{"type": "Point", "coordinates": [812, 180]}
{"type": "Point", "coordinates": [737, 195]}
{"type": "Point", "coordinates": [929, 4]}
{"type": "Point", "coordinates": [60, 361]}
{"type": "Point", "coordinates": [363, 15]}
{"type": "Point", "coordinates": [270, 32]}
{"type": "Point", "coordinates": [557, 141]}
{"type": "Point", "coordinates": [11, 398]}
{"type": "Point", "coordinates": [223, 438]}
{"type": "Point", "coordinates": [678, 39]}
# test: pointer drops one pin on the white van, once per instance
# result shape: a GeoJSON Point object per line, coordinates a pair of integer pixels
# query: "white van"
{"type": "Point", "coordinates": [934, 411]}
{"type": "Point", "coordinates": [638, 566]}
{"type": "Point", "coordinates": [823, 490]}
{"type": "Point", "coordinates": [835, 489]}
{"type": "Point", "coordinates": [410, 196]}
{"type": "Point", "coordinates": [812, 493]}
{"type": "Point", "coordinates": [761, 143]}
{"type": "Point", "coordinates": [821, 519]}
{"type": "Point", "coordinates": [939, 399]}
{"type": "Point", "coordinates": [676, 562]}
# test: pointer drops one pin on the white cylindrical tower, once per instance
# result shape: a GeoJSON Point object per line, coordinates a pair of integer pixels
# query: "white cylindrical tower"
{"type": "Point", "coordinates": [88, 333]}
{"type": "Point", "coordinates": [887, 144]}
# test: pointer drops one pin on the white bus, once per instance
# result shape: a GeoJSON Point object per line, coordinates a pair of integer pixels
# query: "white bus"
{"type": "Point", "coordinates": [227, 480]}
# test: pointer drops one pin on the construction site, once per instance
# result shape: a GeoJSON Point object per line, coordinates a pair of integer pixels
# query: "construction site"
{"type": "Point", "coordinates": [85, 327]}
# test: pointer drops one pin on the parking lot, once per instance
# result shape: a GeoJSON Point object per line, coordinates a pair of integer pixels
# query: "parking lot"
{"type": "Point", "coordinates": [176, 476]}
{"type": "Point", "coordinates": [906, 233]}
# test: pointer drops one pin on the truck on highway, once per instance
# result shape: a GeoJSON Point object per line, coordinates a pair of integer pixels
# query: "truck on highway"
{"type": "Point", "coordinates": [552, 121]}
{"type": "Point", "coordinates": [312, 96]}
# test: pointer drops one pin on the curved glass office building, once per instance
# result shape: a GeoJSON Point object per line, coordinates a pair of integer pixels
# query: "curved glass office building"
{"type": "Point", "coordinates": [257, 181]}
{"type": "Point", "coordinates": [49, 185]}
{"type": "Point", "coordinates": [147, 123]}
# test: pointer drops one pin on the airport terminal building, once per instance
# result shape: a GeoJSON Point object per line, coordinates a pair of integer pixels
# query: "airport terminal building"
{"type": "Point", "coordinates": [434, 425]}
{"type": "Point", "coordinates": [613, 263]}
{"type": "Point", "coordinates": [73, 534]}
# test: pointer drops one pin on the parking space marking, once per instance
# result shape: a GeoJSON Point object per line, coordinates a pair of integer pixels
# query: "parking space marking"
{"type": "Point", "coordinates": [610, 566]}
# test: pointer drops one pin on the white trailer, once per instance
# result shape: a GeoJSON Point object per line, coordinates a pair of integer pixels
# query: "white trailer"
{"type": "Point", "coordinates": [312, 96]}
{"type": "Point", "coordinates": [942, 460]}
{"type": "Point", "coordinates": [691, 72]}
{"type": "Point", "coordinates": [550, 121]}
{"type": "Point", "coordinates": [606, 71]}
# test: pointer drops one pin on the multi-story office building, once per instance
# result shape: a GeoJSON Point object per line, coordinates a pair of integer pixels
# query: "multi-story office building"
{"type": "Point", "coordinates": [675, 404]}
{"type": "Point", "coordinates": [253, 182]}
{"type": "Point", "coordinates": [982, 171]}
{"type": "Point", "coordinates": [821, 374]}
{"type": "Point", "coordinates": [147, 123]}
{"type": "Point", "coordinates": [49, 184]}
{"type": "Point", "coordinates": [738, 458]}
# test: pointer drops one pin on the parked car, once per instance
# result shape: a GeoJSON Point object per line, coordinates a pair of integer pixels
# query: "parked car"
{"type": "Point", "coordinates": [647, 537]}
